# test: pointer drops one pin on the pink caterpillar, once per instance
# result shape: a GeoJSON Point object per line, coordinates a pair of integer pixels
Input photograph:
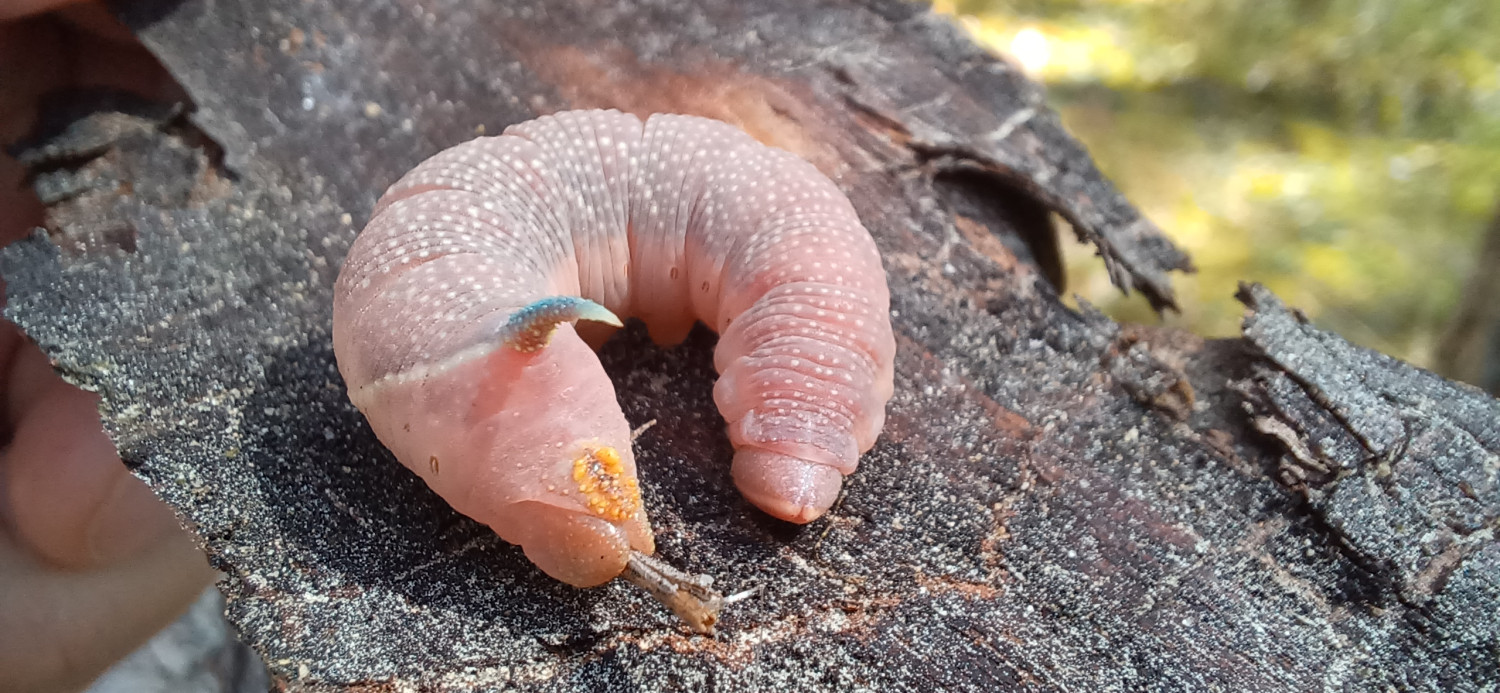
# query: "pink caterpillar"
{"type": "Point", "coordinates": [452, 322]}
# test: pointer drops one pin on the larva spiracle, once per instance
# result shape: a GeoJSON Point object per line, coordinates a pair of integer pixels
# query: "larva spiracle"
{"type": "Point", "coordinates": [452, 322]}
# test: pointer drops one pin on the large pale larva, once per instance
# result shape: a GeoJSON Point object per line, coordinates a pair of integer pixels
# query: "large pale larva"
{"type": "Point", "coordinates": [452, 323]}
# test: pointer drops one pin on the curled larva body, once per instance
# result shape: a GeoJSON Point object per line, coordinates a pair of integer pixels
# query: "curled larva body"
{"type": "Point", "coordinates": [445, 308]}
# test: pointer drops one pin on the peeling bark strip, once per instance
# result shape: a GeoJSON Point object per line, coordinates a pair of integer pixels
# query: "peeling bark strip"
{"type": "Point", "coordinates": [1365, 432]}
{"type": "Point", "coordinates": [452, 322]}
{"type": "Point", "coordinates": [1055, 503]}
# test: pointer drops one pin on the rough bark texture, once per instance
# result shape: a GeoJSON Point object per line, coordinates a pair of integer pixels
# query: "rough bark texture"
{"type": "Point", "coordinates": [1058, 502]}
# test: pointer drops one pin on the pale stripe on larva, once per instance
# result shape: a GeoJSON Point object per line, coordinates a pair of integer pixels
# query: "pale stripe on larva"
{"type": "Point", "coordinates": [444, 307]}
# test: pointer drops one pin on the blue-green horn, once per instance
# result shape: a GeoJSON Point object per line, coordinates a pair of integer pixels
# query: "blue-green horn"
{"type": "Point", "coordinates": [531, 327]}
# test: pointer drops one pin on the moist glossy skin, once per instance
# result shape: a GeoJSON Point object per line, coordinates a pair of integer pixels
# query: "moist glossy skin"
{"type": "Point", "coordinates": [673, 221]}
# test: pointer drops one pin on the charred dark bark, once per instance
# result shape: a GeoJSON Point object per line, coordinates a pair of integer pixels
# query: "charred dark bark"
{"type": "Point", "coordinates": [1058, 502]}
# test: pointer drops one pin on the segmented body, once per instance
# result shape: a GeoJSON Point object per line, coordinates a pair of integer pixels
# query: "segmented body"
{"type": "Point", "coordinates": [443, 310]}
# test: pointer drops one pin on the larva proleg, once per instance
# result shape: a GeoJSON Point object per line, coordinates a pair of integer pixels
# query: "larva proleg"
{"type": "Point", "coordinates": [454, 312]}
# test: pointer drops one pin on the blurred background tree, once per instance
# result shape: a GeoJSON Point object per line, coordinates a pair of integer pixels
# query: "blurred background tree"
{"type": "Point", "coordinates": [1345, 153]}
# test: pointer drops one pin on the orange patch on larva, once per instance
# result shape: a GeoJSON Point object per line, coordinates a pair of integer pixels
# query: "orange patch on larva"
{"type": "Point", "coordinates": [608, 492]}
{"type": "Point", "coordinates": [533, 338]}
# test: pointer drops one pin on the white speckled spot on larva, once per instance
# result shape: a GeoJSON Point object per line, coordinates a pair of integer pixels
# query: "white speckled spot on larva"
{"type": "Point", "coordinates": [453, 322]}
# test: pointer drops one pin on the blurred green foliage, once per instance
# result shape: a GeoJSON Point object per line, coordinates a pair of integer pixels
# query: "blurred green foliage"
{"type": "Point", "coordinates": [1346, 153]}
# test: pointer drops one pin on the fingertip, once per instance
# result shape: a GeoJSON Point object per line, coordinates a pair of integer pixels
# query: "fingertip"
{"type": "Point", "coordinates": [68, 497]}
{"type": "Point", "coordinates": [130, 518]}
{"type": "Point", "coordinates": [76, 623]}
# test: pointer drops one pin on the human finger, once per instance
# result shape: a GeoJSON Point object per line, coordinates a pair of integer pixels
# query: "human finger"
{"type": "Point", "coordinates": [16, 9]}
{"type": "Point", "coordinates": [67, 495]}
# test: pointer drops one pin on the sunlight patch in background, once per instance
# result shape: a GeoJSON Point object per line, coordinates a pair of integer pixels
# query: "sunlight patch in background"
{"type": "Point", "coordinates": [1348, 155]}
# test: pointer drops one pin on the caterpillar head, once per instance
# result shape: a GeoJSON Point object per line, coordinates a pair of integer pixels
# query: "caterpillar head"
{"type": "Point", "coordinates": [573, 502]}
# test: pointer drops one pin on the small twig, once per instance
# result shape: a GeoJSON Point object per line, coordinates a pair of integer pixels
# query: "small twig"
{"type": "Point", "coordinates": [691, 597]}
{"type": "Point", "coordinates": [641, 429]}
{"type": "Point", "coordinates": [741, 596]}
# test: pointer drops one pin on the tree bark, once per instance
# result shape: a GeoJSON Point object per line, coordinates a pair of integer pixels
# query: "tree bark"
{"type": "Point", "coordinates": [1470, 348]}
{"type": "Point", "coordinates": [1058, 502]}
